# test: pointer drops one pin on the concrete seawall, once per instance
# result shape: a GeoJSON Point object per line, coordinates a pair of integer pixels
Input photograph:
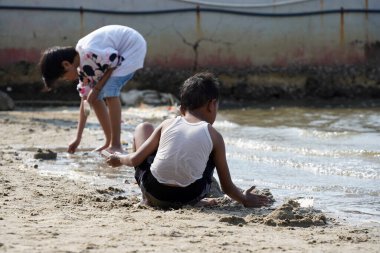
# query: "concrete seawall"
{"type": "Point", "coordinates": [283, 49]}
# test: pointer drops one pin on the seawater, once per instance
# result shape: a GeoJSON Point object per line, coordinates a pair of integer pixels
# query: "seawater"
{"type": "Point", "coordinates": [328, 155]}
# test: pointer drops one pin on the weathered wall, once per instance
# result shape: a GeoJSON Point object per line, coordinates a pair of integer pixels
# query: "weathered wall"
{"type": "Point", "coordinates": [200, 36]}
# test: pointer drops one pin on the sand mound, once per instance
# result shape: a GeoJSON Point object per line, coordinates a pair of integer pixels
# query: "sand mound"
{"type": "Point", "coordinates": [291, 214]}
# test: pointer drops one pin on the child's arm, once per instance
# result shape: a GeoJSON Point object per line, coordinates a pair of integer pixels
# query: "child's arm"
{"type": "Point", "coordinates": [145, 150]}
{"type": "Point", "coordinates": [247, 198]}
{"type": "Point", "coordinates": [81, 124]}
{"type": "Point", "coordinates": [99, 86]}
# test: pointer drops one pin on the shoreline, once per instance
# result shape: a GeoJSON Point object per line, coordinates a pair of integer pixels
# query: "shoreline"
{"type": "Point", "coordinates": [44, 213]}
{"type": "Point", "coordinates": [231, 104]}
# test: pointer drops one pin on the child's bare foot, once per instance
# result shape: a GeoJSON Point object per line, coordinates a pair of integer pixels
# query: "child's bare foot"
{"type": "Point", "coordinates": [98, 149]}
{"type": "Point", "coordinates": [114, 150]}
{"type": "Point", "coordinates": [206, 202]}
{"type": "Point", "coordinates": [105, 153]}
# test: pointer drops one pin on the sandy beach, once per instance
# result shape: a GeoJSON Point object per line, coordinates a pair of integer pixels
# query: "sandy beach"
{"type": "Point", "coordinates": [50, 213]}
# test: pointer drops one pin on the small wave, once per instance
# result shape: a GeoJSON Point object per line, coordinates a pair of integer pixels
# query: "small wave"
{"type": "Point", "coordinates": [325, 134]}
{"type": "Point", "coordinates": [357, 171]}
{"type": "Point", "coordinates": [225, 124]}
{"type": "Point", "coordinates": [349, 191]}
{"type": "Point", "coordinates": [260, 146]}
{"type": "Point", "coordinates": [345, 192]}
{"type": "Point", "coordinates": [353, 171]}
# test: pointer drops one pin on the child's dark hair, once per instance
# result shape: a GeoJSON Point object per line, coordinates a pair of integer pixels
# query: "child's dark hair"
{"type": "Point", "coordinates": [198, 90]}
{"type": "Point", "coordinates": [51, 63]}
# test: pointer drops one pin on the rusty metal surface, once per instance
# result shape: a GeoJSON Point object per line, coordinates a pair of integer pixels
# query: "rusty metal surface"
{"type": "Point", "coordinates": [196, 39]}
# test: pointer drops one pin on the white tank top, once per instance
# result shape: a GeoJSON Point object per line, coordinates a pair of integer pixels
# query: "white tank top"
{"type": "Point", "coordinates": [182, 153]}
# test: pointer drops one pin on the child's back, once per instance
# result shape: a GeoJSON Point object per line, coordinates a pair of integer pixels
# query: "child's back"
{"type": "Point", "coordinates": [183, 152]}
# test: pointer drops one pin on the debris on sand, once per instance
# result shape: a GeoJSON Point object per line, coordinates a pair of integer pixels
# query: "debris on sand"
{"type": "Point", "coordinates": [45, 154]}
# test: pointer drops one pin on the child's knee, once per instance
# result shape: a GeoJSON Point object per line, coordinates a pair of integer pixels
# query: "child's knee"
{"type": "Point", "coordinates": [145, 127]}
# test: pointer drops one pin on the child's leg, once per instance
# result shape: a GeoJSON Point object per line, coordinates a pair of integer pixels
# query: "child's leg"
{"type": "Point", "coordinates": [111, 91]}
{"type": "Point", "coordinates": [206, 202]}
{"type": "Point", "coordinates": [101, 112]}
{"type": "Point", "coordinates": [141, 134]}
{"type": "Point", "coordinates": [114, 109]}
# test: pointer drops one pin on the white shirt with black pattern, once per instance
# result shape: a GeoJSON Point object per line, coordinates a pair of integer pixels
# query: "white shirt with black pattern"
{"type": "Point", "coordinates": [112, 46]}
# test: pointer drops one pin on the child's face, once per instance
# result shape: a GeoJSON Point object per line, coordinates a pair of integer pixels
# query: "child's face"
{"type": "Point", "coordinates": [71, 73]}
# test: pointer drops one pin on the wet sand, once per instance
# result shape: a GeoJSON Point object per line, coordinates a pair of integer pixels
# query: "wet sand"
{"type": "Point", "coordinates": [45, 213]}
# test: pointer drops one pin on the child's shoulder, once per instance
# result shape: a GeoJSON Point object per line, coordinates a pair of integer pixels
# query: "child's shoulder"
{"type": "Point", "coordinates": [215, 135]}
{"type": "Point", "coordinates": [164, 124]}
{"type": "Point", "coordinates": [168, 121]}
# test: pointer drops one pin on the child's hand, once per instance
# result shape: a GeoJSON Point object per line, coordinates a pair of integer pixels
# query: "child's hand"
{"type": "Point", "coordinates": [254, 200]}
{"type": "Point", "coordinates": [114, 161]}
{"type": "Point", "coordinates": [73, 146]}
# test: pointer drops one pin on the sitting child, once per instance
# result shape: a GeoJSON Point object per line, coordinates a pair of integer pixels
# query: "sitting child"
{"type": "Point", "coordinates": [174, 163]}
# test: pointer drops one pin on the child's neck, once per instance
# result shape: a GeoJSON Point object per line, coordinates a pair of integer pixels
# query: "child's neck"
{"type": "Point", "coordinates": [195, 116]}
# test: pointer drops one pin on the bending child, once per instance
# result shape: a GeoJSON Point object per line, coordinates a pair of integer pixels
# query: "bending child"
{"type": "Point", "coordinates": [104, 61]}
{"type": "Point", "coordinates": [174, 163]}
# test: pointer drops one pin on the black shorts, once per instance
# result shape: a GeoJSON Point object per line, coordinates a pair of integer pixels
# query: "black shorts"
{"type": "Point", "coordinates": [171, 196]}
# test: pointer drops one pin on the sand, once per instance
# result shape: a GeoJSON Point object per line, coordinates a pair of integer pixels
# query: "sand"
{"type": "Point", "coordinates": [50, 213]}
